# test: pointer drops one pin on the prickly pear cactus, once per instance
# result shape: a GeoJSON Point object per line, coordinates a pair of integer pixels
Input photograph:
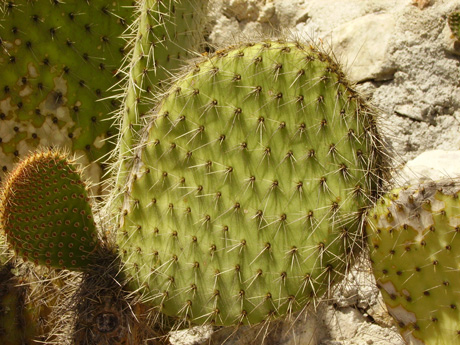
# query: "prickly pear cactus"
{"type": "Point", "coordinates": [246, 200]}
{"type": "Point", "coordinates": [59, 61]}
{"type": "Point", "coordinates": [45, 212]}
{"type": "Point", "coordinates": [413, 239]}
{"type": "Point", "coordinates": [454, 23]}
{"type": "Point", "coordinates": [165, 33]}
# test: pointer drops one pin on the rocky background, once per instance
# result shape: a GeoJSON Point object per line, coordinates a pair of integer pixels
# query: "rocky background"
{"type": "Point", "coordinates": [403, 57]}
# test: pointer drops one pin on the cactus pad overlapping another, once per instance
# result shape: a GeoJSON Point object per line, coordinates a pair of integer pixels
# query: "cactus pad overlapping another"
{"type": "Point", "coordinates": [246, 200]}
{"type": "Point", "coordinates": [414, 242]}
{"type": "Point", "coordinates": [59, 61]}
{"type": "Point", "coordinates": [45, 212]}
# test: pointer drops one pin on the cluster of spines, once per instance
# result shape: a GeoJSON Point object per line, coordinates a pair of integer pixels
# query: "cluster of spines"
{"type": "Point", "coordinates": [45, 212]}
{"type": "Point", "coordinates": [413, 239]}
{"type": "Point", "coordinates": [224, 173]}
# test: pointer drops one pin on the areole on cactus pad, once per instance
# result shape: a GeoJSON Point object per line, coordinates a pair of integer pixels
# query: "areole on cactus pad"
{"type": "Point", "coordinates": [45, 212]}
{"type": "Point", "coordinates": [414, 247]}
{"type": "Point", "coordinates": [246, 199]}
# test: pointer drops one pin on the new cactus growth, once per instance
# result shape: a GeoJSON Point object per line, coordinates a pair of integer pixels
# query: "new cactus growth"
{"type": "Point", "coordinates": [59, 61]}
{"type": "Point", "coordinates": [245, 201]}
{"type": "Point", "coordinates": [45, 212]}
{"type": "Point", "coordinates": [414, 243]}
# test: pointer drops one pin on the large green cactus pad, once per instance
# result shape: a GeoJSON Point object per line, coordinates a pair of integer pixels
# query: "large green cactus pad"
{"type": "Point", "coordinates": [58, 60]}
{"type": "Point", "coordinates": [45, 212]}
{"type": "Point", "coordinates": [246, 201]}
{"type": "Point", "coordinates": [414, 243]}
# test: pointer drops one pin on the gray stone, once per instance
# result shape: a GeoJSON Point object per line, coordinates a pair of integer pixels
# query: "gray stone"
{"type": "Point", "coordinates": [355, 45]}
{"type": "Point", "coordinates": [409, 110]}
{"type": "Point", "coordinates": [305, 329]}
{"type": "Point", "coordinates": [431, 165]}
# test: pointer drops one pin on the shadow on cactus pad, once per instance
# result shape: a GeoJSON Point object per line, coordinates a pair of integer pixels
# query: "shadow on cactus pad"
{"type": "Point", "coordinates": [59, 61]}
{"type": "Point", "coordinates": [106, 313]}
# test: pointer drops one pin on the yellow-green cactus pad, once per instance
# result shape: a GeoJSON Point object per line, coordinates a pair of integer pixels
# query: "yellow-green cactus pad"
{"type": "Point", "coordinates": [45, 212]}
{"type": "Point", "coordinates": [245, 202]}
{"type": "Point", "coordinates": [414, 242]}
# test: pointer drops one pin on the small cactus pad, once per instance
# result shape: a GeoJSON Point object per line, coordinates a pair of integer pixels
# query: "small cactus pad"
{"type": "Point", "coordinates": [45, 212]}
{"type": "Point", "coordinates": [454, 23]}
{"type": "Point", "coordinates": [58, 60]}
{"type": "Point", "coordinates": [246, 201]}
{"type": "Point", "coordinates": [414, 241]}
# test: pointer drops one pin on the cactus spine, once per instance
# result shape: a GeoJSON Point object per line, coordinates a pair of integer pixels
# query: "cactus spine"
{"type": "Point", "coordinates": [414, 244]}
{"type": "Point", "coordinates": [246, 201]}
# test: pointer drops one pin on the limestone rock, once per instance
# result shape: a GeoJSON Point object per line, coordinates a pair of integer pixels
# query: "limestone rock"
{"type": "Point", "coordinates": [432, 165]}
{"type": "Point", "coordinates": [362, 45]}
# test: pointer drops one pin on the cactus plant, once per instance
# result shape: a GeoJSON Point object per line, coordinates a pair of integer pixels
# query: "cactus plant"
{"type": "Point", "coordinates": [45, 211]}
{"type": "Point", "coordinates": [165, 32]}
{"type": "Point", "coordinates": [246, 200]}
{"type": "Point", "coordinates": [59, 61]}
{"type": "Point", "coordinates": [413, 239]}
{"type": "Point", "coordinates": [13, 315]}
